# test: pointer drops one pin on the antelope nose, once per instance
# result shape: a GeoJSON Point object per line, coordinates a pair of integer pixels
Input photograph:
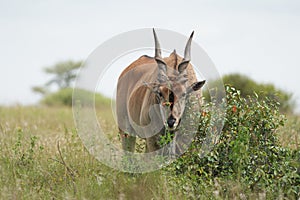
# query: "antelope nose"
{"type": "Point", "coordinates": [171, 121]}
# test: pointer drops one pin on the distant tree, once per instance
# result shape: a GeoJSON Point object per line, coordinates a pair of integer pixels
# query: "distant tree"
{"type": "Point", "coordinates": [39, 89]}
{"type": "Point", "coordinates": [63, 97]}
{"type": "Point", "coordinates": [247, 86]}
{"type": "Point", "coordinates": [63, 75]}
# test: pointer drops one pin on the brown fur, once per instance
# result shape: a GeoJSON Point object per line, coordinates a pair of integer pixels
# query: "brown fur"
{"type": "Point", "coordinates": [137, 106]}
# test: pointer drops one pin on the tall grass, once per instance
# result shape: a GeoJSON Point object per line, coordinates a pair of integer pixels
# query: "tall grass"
{"type": "Point", "coordinates": [42, 157]}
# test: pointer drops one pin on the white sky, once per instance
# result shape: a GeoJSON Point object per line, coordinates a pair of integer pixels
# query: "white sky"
{"type": "Point", "coordinates": [259, 38]}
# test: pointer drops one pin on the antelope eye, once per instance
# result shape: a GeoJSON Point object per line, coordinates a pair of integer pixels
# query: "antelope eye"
{"type": "Point", "coordinates": [159, 94]}
{"type": "Point", "coordinates": [171, 97]}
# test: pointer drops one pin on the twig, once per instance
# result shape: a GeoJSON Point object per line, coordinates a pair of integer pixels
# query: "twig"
{"type": "Point", "coordinates": [68, 169]}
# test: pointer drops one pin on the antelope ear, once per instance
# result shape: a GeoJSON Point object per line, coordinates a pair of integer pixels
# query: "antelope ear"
{"type": "Point", "coordinates": [183, 65]}
{"type": "Point", "coordinates": [162, 70]}
{"type": "Point", "coordinates": [195, 86]}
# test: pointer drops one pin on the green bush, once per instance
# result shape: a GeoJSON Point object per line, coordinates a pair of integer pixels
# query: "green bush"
{"type": "Point", "coordinates": [247, 154]}
{"type": "Point", "coordinates": [63, 97]}
{"type": "Point", "coordinates": [249, 86]}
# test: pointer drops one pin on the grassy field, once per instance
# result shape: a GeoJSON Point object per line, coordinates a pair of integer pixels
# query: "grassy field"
{"type": "Point", "coordinates": [41, 157]}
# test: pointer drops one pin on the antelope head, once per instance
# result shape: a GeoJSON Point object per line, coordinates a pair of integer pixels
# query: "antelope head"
{"type": "Point", "coordinates": [172, 86]}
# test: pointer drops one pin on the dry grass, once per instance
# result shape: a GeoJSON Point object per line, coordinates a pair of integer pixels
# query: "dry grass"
{"type": "Point", "coordinates": [41, 157]}
{"type": "Point", "coordinates": [289, 135]}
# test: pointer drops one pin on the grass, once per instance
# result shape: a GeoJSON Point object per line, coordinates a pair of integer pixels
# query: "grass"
{"type": "Point", "coordinates": [41, 157]}
{"type": "Point", "coordinates": [289, 135]}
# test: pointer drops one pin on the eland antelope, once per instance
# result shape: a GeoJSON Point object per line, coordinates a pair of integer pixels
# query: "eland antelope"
{"type": "Point", "coordinates": [152, 94]}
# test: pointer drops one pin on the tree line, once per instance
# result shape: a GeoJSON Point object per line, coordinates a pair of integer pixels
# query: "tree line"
{"type": "Point", "coordinates": [62, 75]}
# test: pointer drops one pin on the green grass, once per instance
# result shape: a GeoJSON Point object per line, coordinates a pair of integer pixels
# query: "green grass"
{"type": "Point", "coordinates": [42, 157]}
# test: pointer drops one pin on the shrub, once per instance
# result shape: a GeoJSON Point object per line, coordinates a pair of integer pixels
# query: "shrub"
{"type": "Point", "coordinates": [63, 97]}
{"type": "Point", "coordinates": [247, 153]}
{"type": "Point", "coordinates": [249, 86]}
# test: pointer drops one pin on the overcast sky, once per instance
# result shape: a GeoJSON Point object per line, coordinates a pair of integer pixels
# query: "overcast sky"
{"type": "Point", "coordinates": [259, 38]}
